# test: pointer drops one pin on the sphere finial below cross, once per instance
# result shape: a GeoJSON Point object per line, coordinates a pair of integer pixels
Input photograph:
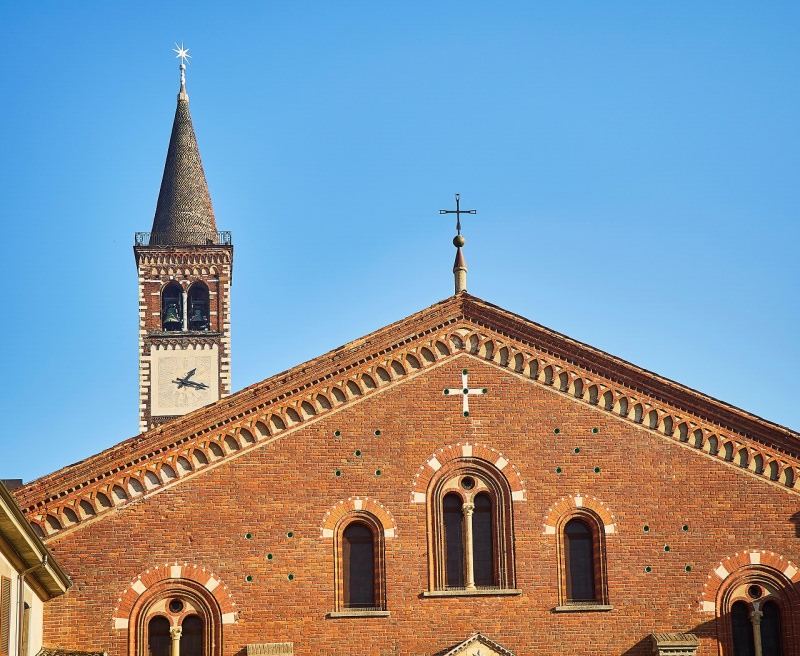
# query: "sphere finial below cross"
{"type": "Point", "coordinates": [184, 56]}
{"type": "Point", "coordinates": [460, 265]}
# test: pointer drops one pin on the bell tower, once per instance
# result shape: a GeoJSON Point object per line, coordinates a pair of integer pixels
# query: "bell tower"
{"type": "Point", "coordinates": [184, 270]}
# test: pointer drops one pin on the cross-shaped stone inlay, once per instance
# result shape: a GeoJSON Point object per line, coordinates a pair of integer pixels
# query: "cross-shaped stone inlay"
{"type": "Point", "coordinates": [465, 392]}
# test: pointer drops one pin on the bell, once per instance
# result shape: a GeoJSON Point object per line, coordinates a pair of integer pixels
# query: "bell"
{"type": "Point", "coordinates": [198, 320]}
{"type": "Point", "coordinates": [172, 317]}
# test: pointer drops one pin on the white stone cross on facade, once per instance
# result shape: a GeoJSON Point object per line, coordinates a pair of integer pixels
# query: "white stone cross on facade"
{"type": "Point", "coordinates": [465, 392]}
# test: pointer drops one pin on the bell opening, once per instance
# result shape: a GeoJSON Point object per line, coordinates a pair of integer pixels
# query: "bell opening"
{"type": "Point", "coordinates": [199, 317]}
{"type": "Point", "coordinates": [172, 307]}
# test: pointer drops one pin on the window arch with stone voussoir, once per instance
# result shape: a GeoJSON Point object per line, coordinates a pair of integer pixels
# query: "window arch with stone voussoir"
{"type": "Point", "coordinates": [470, 528]}
{"type": "Point", "coordinates": [359, 564]}
{"type": "Point", "coordinates": [582, 559]}
{"type": "Point", "coordinates": [758, 613]}
{"type": "Point", "coordinates": [178, 613]}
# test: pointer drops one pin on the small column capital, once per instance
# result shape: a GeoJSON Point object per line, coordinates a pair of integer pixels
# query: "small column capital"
{"type": "Point", "coordinates": [175, 634]}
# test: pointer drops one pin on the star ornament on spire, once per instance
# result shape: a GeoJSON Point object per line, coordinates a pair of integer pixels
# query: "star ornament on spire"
{"type": "Point", "coordinates": [183, 53]}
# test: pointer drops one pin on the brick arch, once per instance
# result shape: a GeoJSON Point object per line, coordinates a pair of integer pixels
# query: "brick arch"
{"type": "Point", "coordinates": [447, 457]}
{"type": "Point", "coordinates": [177, 572]}
{"type": "Point", "coordinates": [729, 565]}
{"type": "Point", "coordinates": [358, 504]}
{"type": "Point", "coordinates": [568, 504]}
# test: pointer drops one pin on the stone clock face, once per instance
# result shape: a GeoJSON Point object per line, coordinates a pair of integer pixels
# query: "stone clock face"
{"type": "Point", "coordinates": [183, 381]}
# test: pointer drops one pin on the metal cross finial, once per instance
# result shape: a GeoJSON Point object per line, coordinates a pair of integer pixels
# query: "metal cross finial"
{"type": "Point", "coordinates": [458, 212]}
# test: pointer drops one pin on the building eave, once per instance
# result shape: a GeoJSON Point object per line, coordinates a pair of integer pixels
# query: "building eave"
{"type": "Point", "coordinates": [25, 549]}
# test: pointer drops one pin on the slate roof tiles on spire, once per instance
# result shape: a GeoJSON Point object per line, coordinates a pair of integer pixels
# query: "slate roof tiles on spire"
{"type": "Point", "coordinates": [184, 215]}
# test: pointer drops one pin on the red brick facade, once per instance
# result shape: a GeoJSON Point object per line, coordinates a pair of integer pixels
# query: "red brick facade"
{"type": "Point", "coordinates": [238, 504]}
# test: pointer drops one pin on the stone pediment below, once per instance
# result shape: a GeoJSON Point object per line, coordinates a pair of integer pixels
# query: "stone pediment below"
{"type": "Point", "coordinates": [478, 645]}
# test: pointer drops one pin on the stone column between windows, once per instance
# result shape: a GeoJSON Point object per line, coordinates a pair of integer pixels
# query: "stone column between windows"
{"type": "Point", "coordinates": [755, 618]}
{"type": "Point", "coordinates": [469, 569]}
{"type": "Point", "coordinates": [175, 634]}
{"type": "Point", "coordinates": [185, 316]}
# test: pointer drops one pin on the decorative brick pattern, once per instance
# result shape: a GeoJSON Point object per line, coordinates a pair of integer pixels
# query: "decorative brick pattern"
{"type": "Point", "coordinates": [175, 570]}
{"type": "Point", "coordinates": [365, 504]}
{"type": "Point", "coordinates": [455, 452]}
{"type": "Point", "coordinates": [328, 384]}
{"type": "Point", "coordinates": [567, 504]}
{"type": "Point", "coordinates": [729, 565]}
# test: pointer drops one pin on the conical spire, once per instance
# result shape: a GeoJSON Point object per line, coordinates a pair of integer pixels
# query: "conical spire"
{"type": "Point", "coordinates": [184, 215]}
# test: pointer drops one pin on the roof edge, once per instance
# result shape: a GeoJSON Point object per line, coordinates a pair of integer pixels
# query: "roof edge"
{"type": "Point", "coordinates": [666, 389]}
{"type": "Point", "coordinates": [32, 550]}
{"type": "Point", "coordinates": [338, 361]}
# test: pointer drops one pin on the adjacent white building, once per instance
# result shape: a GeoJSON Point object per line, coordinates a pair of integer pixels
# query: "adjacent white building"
{"type": "Point", "coordinates": [29, 577]}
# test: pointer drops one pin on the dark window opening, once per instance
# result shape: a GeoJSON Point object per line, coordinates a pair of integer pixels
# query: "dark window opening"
{"type": "Point", "coordinates": [579, 561]}
{"type": "Point", "coordinates": [771, 630]}
{"type": "Point", "coordinates": [743, 643]}
{"type": "Point", "coordinates": [158, 638]}
{"type": "Point", "coordinates": [199, 317]}
{"type": "Point", "coordinates": [483, 542]}
{"type": "Point", "coordinates": [192, 636]}
{"type": "Point", "coordinates": [358, 556]}
{"type": "Point", "coordinates": [172, 307]}
{"type": "Point", "coordinates": [454, 541]}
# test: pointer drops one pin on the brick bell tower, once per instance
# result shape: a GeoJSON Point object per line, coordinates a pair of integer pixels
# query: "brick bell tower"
{"type": "Point", "coordinates": [184, 268]}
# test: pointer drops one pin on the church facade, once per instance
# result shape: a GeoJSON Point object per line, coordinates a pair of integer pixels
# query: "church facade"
{"type": "Point", "coordinates": [464, 481]}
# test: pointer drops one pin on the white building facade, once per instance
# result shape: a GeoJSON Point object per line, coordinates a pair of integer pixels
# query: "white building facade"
{"type": "Point", "coordinates": [29, 577]}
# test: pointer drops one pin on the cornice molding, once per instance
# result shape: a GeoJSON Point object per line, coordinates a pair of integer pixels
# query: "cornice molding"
{"type": "Point", "coordinates": [275, 408]}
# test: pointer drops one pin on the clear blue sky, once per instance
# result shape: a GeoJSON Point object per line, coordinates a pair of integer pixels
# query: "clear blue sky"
{"type": "Point", "coordinates": [634, 166]}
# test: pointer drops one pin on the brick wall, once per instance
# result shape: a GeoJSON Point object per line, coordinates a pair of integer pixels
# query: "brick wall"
{"type": "Point", "coordinates": [289, 484]}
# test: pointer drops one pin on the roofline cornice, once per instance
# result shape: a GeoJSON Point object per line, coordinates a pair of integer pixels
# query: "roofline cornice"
{"type": "Point", "coordinates": [642, 380]}
{"type": "Point", "coordinates": [528, 348]}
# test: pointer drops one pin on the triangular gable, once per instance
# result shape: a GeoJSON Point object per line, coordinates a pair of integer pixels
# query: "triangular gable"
{"type": "Point", "coordinates": [478, 645]}
{"type": "Point", "coordinates": [461, 325]}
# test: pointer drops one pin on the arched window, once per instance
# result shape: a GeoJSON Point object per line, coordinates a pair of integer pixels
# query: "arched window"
{"type": "Point", "coordinates": [579, 561]}
{"type": "Point", "coordinates": [453, 516]}
{"type": "Point", "coordinates": [359, 564]}
{"type": "Point", "coordinates": [743, 643]}
{"type": "Point", "coordinates": [758, 611]}
{"type": "Point", "coordinates": [159, 640]}
{"type": "Point", "coordinates": [483, 545]}
{"type": "Point", "coordinates": [771, 634]}
{"type": "Point", "coordinates": [191, 636]}
{"type": "Point", "coordinates": [199, 311]}
{"type": "Point", "coordinates": [582, 561]}
{"type": "Point", "coordinates": [172, 307]}
{"type": "Point", "coordinates": [175, 614]}
{"type": "Point", "coordinates": [471, 538]}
